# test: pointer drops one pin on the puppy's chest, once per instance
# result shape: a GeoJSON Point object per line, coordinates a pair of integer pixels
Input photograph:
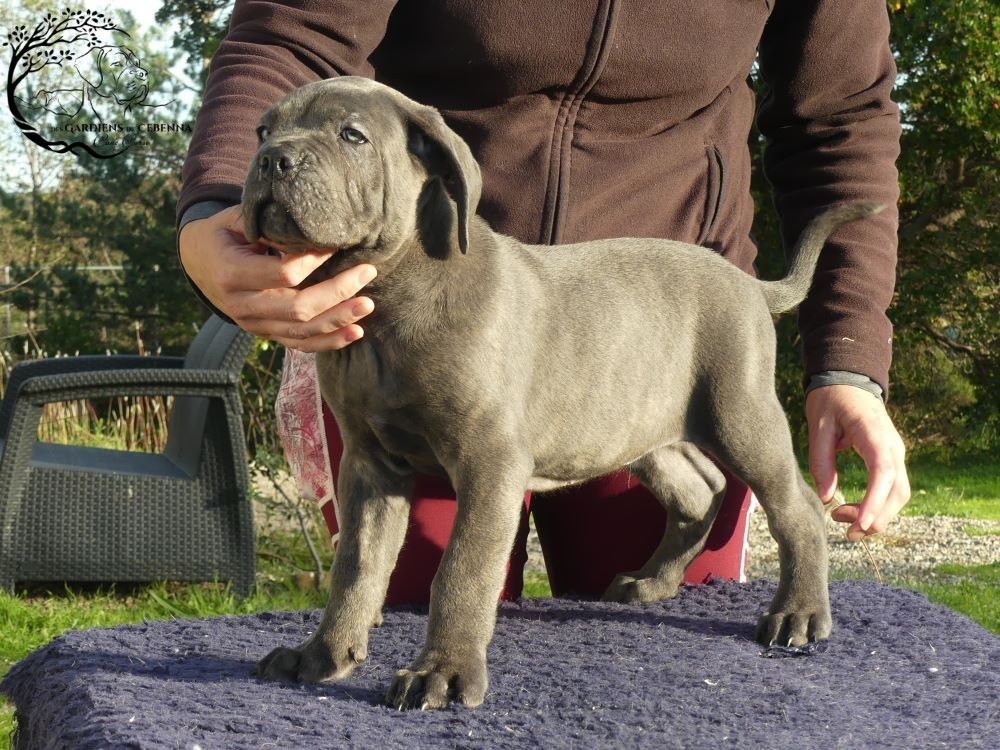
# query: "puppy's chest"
{"type": "Point", "coordinates": [380, 393]}
{"type": "Point", "coordinates": [405, 446]}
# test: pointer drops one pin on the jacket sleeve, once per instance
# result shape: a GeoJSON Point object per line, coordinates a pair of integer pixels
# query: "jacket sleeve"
{"type": "Point", "coordinates": [832, 136]}
{"type": "Point", "coordinates": [271, 48]}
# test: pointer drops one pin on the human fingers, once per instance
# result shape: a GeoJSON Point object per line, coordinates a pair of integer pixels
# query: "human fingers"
{"type": "Point", "coordinates": [292, 268]}
{"type": "Point", "coordinates": [330, 321]}
{"type": "Point", "coordinates": [850, 513]}
{"type": "Point", "coordinates": [899, 495]}
{"type": "Point", "coordinates": [264, 310]}
{"type": "Point", "coordinates": [324, 342]}
{"type": "Point", "coordinates": [255, 268]}
{"type": "Point", "coordinates": [887, 491]}
{"type": "Point", "coordinates": [846, 513]}
{"type": "Point", "coordinates": [223, 265]}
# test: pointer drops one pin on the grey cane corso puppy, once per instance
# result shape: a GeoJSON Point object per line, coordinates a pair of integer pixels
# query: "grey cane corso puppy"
{"type": "Point", "coordinates": [508, 367]}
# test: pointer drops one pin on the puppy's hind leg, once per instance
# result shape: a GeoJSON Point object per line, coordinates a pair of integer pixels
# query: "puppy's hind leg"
{"type": "Point", "coordinates": [755, 443]}
{"type": "Point", "coordinates": [691, 489]}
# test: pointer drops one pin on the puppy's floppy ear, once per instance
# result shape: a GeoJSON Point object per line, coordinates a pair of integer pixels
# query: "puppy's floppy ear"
{"type": "Point", "coordinates": [446, 156]}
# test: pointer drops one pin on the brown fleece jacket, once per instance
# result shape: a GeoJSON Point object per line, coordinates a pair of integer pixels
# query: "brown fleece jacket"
{"type": "Point", "coordinates": [605, 118]}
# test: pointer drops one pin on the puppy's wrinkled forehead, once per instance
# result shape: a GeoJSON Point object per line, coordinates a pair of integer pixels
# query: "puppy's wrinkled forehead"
{"type": "Point", "coordinates": [338, 101]}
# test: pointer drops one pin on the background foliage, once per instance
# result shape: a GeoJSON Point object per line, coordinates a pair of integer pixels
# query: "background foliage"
{"type": "Point", "coordinates": [59, 213]}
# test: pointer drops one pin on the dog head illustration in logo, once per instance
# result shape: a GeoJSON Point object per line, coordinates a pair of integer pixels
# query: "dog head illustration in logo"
{"type": "Point", "coordinates": [101, 82]}
{"type": "Point", "coordinates": [115, 73]}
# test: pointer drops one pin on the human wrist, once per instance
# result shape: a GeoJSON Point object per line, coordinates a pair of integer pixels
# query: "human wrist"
{"type": "Point", "coordinates": [844, 377]}
{"type": "Point", "coordinates": [201, 210]}
{"type": "Point", "coordinates": [195, 212]}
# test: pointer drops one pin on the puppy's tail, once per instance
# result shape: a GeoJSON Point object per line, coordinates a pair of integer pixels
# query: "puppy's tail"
{"type": "Point", "coordinates": [790, 291]}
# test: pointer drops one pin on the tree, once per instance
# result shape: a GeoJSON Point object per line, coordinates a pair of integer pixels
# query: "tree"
{"type": "Point", "coordinates": [203, 24]}
{"type": "Point", "coordinates": [946, 313]}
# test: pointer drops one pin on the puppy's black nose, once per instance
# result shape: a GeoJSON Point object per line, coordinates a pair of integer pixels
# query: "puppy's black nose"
{"type": "Point", "coordinates": [276, 162]}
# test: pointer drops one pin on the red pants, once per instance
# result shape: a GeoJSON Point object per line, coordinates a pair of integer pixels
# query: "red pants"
{"type": "Point", "coordinates": [589, 533]}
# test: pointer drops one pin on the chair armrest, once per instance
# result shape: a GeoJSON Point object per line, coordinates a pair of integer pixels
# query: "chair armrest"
{"type": "Point", "coordinates": [85, 363]}
{"type": "Point", "coordinates": [26, 407]}
{"type": "Point", "coordinates": [132, 382]}
{"type": "Point", "coordinates": [24, 371]}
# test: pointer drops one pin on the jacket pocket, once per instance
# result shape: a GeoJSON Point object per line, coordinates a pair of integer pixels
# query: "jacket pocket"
{"type": "Point", "coordinates": [715, 181]}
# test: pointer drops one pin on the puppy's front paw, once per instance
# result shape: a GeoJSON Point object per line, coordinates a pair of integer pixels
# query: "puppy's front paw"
{"type": "Point", "coordinates": [313, 661]}
{"type": "Point", "coordinates": [436, 678]}
{"type": "Point", "coordinates": [787, 626]}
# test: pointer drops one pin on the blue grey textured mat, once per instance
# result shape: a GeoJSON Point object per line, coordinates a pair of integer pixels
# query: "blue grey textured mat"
{"type": "Point", "coordinates": [898, 672]}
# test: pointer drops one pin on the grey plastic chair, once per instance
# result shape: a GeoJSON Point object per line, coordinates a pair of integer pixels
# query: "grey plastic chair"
{"type": "Point", "coordinates": [75, 513]}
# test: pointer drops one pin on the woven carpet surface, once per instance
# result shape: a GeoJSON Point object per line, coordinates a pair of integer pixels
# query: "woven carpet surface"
{"type": "Point", "coordinates": [686, 673]}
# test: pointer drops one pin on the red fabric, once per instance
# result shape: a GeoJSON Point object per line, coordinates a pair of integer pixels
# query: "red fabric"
{"type": "Point", "coordinates": [588, 534]}
{"type": "Point", "coordinates": [591, 533]}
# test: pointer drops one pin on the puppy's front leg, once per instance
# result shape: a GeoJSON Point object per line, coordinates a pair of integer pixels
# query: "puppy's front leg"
{"type": "Point", "coordinates": [374, 507]}
{"type": "Point", "coordinates": [464, 595]}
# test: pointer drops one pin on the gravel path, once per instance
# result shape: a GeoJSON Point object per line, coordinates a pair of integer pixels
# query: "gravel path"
{"type": "Point", "coordinates": [911, 548]}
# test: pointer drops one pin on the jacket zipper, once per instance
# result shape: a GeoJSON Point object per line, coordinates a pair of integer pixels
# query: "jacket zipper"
{"type": "Point", "coordinates": [557, 189]}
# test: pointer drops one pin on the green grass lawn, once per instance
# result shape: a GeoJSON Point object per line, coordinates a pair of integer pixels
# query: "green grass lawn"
{"type": "Point", "coordinates": [973, 590]}
{"type": "Point", "coordinates": [967, 488]}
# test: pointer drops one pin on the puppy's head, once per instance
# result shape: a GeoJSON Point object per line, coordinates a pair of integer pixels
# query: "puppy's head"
{"type": "Point", "coordinates": [351, 163]}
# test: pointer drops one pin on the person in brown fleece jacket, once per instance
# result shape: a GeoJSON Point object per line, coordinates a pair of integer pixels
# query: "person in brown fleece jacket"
{"type": "Point", "coordinates": [593, 119]}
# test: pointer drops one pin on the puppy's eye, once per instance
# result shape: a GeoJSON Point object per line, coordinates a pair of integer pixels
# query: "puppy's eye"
{"type": "Point", "coordinates": [263, 133]}
{"type": "Point", "coordinates": [353, 136]}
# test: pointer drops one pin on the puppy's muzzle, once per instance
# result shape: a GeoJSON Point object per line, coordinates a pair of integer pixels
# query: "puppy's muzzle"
{"type": "Point", "coordinates": [277, 163]}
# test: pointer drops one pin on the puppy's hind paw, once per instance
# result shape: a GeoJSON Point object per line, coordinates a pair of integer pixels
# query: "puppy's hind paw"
{"type": "Point", "coordinates": [627, 589]}
{"type": "Point", "coordinates": [310, 662]}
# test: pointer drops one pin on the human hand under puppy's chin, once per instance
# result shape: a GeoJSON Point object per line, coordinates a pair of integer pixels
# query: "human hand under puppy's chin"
{"type": "Point", "coordinates": [841, 417]}
{"type": "Point", "coordinates": [256, 283]}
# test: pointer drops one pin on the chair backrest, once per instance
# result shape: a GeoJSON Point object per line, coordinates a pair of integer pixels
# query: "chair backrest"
{"type": "Point", "coordinates": [218, 346]}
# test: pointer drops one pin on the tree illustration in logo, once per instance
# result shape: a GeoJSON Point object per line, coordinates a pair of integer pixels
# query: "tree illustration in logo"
{"type": "Point", "coordinates": [90, 78]}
